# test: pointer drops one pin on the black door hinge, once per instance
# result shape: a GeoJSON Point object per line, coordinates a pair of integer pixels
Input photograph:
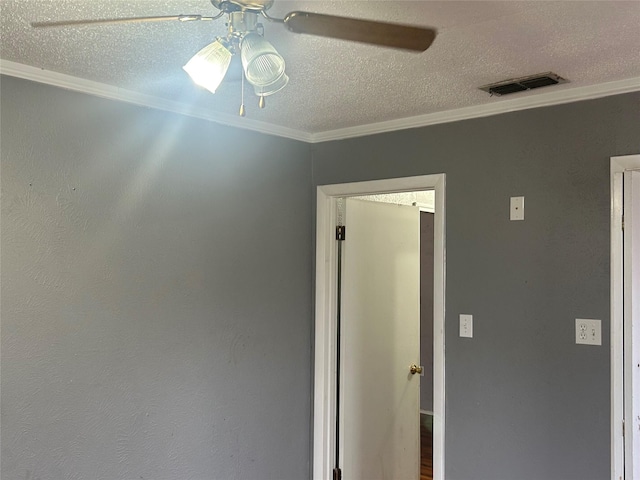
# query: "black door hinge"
{"type": "Point", "coordinates": [337, 474]}
{"type": "Point", "coordinates": [341, 232]}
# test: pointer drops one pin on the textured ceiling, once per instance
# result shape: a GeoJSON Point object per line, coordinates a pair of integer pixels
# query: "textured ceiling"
{"type": "Point", "coordinates": [336, 84]}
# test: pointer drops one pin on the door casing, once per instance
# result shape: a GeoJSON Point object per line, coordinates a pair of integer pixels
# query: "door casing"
{"type": "Point", "coordinates": [324, 433]}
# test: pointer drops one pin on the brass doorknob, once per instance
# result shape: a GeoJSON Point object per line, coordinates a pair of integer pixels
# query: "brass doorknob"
{"type": "Point", "coordinates": [415, 369]}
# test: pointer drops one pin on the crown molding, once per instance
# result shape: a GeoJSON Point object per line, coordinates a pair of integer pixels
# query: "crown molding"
{"type": "Point", "coordinates": [103, 90]}
{"type": "Point", "coordinates": [500, 105]}
{"type": "Point", "coordinates": [567, 95]}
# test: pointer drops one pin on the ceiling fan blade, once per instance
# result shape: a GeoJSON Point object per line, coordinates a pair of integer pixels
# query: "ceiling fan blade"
{"type": "Point", "coordinates": [111, 21]}
{"type": "Point", "coordinates": [393, 35]}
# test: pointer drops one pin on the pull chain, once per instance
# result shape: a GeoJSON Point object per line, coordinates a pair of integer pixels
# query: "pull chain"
{"type": "Point", "coordinates": [242, 112]}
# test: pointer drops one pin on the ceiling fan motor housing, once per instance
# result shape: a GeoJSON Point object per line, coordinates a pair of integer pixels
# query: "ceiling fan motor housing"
{"type": "Point", "coordinates": [232, 5]}
{"type": "Point", "coordinates": [243, 22]}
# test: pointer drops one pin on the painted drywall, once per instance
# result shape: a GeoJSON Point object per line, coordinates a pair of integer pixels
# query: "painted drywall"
{"type": "Point", "coordinates": [523, 401]}
{"type": "Point", "coordinates": [156, 310]}
{"type": "Point", "coordinates": [427, 248]}
{"type": "Point", "coordinates": [156, 294]}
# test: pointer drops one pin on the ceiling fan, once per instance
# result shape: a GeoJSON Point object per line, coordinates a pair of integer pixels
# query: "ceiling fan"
{"type": "Point", "coordinates": [263, 66]}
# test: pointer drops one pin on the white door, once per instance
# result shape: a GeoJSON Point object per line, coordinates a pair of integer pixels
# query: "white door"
{"type": "Point", "coordinates": [381, 332]}
{"type": "Point", "coordinates": [632, 322]}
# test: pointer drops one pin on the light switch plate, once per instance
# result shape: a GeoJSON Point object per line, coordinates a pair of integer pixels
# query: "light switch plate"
{"type": "Point", "coordinates": [466, 326]}
{"type": "Point", "coordinates": [588, 332]}
{"type": "Point", "coordinates": [517, 208]}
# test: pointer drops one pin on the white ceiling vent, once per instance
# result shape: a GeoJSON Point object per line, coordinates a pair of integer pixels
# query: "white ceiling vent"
{"type": "Point", "coordinates": [522, 84]}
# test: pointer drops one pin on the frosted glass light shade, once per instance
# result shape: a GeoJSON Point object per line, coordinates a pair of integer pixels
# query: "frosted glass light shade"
{"type": "Point", "coordinates": [279, 84]}
{"type": "Point", "coordinates": [263, 65]}
{"type": "Point", "coordinates": [208, 67]}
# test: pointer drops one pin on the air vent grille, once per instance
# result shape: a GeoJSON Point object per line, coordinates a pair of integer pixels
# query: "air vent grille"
{"type": "Point", "coordinates": [523, 83]}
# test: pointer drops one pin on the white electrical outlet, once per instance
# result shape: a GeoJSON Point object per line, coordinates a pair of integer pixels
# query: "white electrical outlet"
{"type": "Point", "coordinates": [517, 208]}
{"type": "Point", "coordinates": [466, 326]}
{"type": "Point", "coordinates": [588, 332]}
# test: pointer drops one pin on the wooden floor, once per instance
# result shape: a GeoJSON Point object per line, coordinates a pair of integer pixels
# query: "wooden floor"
{"type": "Point", "coordinates": [426, 449]}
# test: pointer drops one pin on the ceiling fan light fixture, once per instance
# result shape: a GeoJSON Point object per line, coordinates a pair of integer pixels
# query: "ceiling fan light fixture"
{"type": "Point", "coordinates": [208, 67]}
{"type": "Point", "coordinates": [263, 65]}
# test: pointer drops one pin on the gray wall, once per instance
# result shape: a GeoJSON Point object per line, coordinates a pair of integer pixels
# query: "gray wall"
{"type": "Point", "coordinates": [156, 278]}
{"type": "Point", "coordinates": [523, 401]}
{"type": "Point", "coordinates": [426, 309]}
{"type": "Point", "coordinates": [156, 294]}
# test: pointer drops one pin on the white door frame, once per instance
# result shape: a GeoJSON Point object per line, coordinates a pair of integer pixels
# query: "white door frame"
{"type": "Point", "coordinates": [325, 313]}
{"type": "Point", "coordinates": [619, 394]}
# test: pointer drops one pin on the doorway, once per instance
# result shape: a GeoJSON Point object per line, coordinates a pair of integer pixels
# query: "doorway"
{"type": "Point", "coordinates": [426, 341]}
{"type": "Point", "coordinates": [625, 317]}
{"type": "Point", "coordinates": [403, 226]}
{"type": "Point", "coordinates": [326, 450]}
